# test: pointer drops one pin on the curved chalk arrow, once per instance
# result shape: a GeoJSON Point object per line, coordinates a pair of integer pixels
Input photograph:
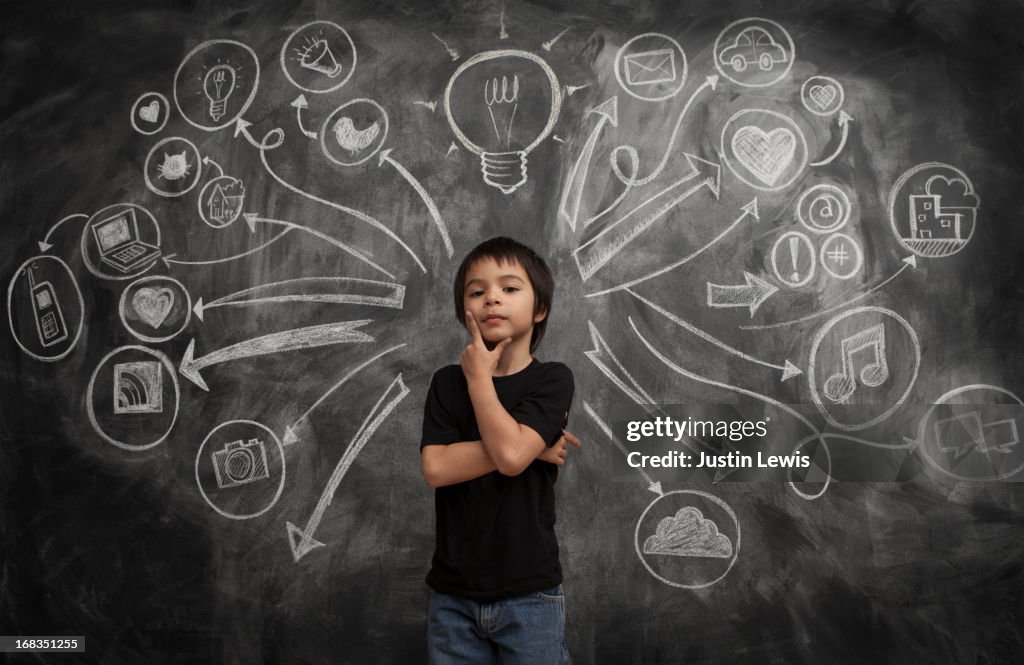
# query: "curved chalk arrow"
{"type": "Point", "coordinates": [287, 340]}
{"type": "Point", "coordinates": [789, 370]}
{"type": "Point", "coordinates": [242, 127]}
{"type": "Point", "coordinates": [632, 181]}
{"type": "Point", "coordinates": [168, 259]}
{"type": "Point", "coordinates": [909, 262]}
{"type": "Point", "coordinates": [435, 214]}
{"type": "Point", "coordinates": [569, 208]}
{"type": "Point", "coordinates": [752, 294]}
{"type": "Point", "coordinates": [300, 103]}
{"type": "Point", "coordinates": [604, 246]}
{"type": "Point", "coordinates": [252, 219]}
{"type": "Point", "coordinates": [44, 244]}
{"type": "Point", "coordinates": [290, 436]}
{"type": "Point", "coordinates": [651, 485]}
{"type": "Point", "coordinates": [336, 290]}
{"type": "Point", "coordinates": [302, 540]}
{"type": "Point", "coordinates": [844, 122]}
{"type": "Point", "coordinates": [264, 147]}
{"type": "Point", "coordinates": [209, 162]}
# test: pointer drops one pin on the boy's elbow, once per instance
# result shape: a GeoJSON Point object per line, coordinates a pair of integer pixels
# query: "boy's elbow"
{"type": "Point", "coordinates": [512, 464]}
{"type": "Point", "coordinates": [430, 472]}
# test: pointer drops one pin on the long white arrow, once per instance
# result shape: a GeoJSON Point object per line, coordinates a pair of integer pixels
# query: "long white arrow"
{"type": "Point", "coordinates": [651, 485]}
{"type": "Point", "coordinates": [844, 122]}
{"type": "Point", "coordinates": [290, 436]}
{"type": "Point", "coordinates": [302, 540]}
{"type": "Point", "coordinates": [287, 340]}
{"type": "Point", "coordinates": [435, 214]}
{"type": "Point", "coordinates": [168, 259]}
{"type": "Point", "coordinates": [604, 246]}
{"type": "Point", "coordinates": [789, 370]}
{"type": "Point", "coordinates": [701, 379]}
{"type": "Point", "coordinates": [631, 180]}
{"type": "Point", "coordinates": [300, 103]}
{"type": "Point", "coordinates": [358, 214]}
{"type": "Point", "coordinates": [569, 208]}
{"type": "Point", "coordinates": [252, 219]}
{"type": "Point", "coordinates": [336, 290]}
{"type": "Point", "coordinates": [752, 293]}
{"type": "Point", "coordinates": [909, 262]}
{"type": "Point", "coordinates": [748, 210]}
{"type": "Point", "coordinates": [44, 244]}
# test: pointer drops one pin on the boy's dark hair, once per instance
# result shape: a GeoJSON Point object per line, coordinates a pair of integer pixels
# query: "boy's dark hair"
{"type": "Point", "coordinates": [506, 250]}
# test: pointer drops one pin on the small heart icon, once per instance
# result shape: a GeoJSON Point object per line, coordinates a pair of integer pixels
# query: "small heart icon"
{"type": "Point", "coordinates": [765, 154]}
{"type": "Point", "coordinates": [150, 112]}
{"type": "Point", "coordinates": [822, 95]}
{"type": "Point", "coordinates": [153, 305]}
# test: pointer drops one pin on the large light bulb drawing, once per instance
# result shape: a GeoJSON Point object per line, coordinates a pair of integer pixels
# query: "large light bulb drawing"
{"type": "Point", "coordinates": [501, 105]}
{"type": "Point", "coordinates": [218, 85]}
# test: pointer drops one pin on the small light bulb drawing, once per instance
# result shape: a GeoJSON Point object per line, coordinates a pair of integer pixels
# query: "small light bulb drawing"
{"type": "Point", "coordinates": [517, 110]}
{"type": "Point", "coordinates": [218, 85]}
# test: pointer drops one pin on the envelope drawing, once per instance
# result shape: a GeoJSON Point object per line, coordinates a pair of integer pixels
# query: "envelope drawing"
{"type": "Point", "coordinates": [651, 67]}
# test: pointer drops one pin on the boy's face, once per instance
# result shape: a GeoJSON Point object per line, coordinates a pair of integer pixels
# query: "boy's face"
{"type": "Point", "coordinates": [500, 297]}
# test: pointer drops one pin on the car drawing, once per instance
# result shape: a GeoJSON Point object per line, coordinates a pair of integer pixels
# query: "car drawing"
{"type": "Point", "coordinates": [753, 46]}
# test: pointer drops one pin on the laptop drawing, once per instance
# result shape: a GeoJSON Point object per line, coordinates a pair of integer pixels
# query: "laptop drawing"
{"type": "Point", "coordinates": [117, 238]}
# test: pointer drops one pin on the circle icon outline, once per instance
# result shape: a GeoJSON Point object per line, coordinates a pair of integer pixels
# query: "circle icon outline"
{"type": "Point", "coordinates": [135, 112]}
{"type": "Point", "coordinates": [245, 105]}
{"type": "Point", "coordinates": [628, 90]}
{"type": "Point", "coordinates": [802, 143]}
{"type": "Point", "coordinates": [280, 484]}
{"type": "Point", "coordinates": [287, 43]}
{"type": "Point", "coordinates": [152, 278]}
{"type": "Point", "coordinates": [715, 51]}
{"type": "Point", "coordinates": [840, 95]}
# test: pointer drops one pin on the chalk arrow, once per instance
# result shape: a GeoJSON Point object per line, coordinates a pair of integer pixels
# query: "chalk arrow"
{"type": "Point", "coordinates": [789, 370]}
{"type": "Point", "coordinates": [595, 253]}
{"type": "Point", "coordinates": [844, 123]}
{"type": "Point", "coordinates": [333, 290]}
{"type": "Point", "coordinates": [288, 340]}
{"type": "Point", "coordinates": [252, 219]}
{"type": "Point", "coordinates": [752, 294]}
{"type": "Point", "coordinates": [435, 214]}
{"type": "Point", "coordinates": [569, 208]}
{"type": "Point", "coordinates": [908, 262]}
{"type": "Point", "coordinates": [44, 244]}
{"type": "Point", "coordinates": [209, 162]}
{"type": "Point", "coordinates": [290, 434]}
{"type": "Point", "coordinates": [551, 42]}
{"type": "Point", "coordinates": [242, 127]}
{"type": "Point", "coordinates": [302, 540]}
{"type": "Point", "coordinates": [300, 103]}
{"type": "Point", "coordinates": [747, 211]}
{"type": "Point", "coordinates": [651, 485]}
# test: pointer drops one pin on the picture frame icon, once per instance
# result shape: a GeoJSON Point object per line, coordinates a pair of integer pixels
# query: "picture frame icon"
{"type": "Point", "coordinates": [651, 67]}
{"type": "Point", "coordinates": [239, 463]}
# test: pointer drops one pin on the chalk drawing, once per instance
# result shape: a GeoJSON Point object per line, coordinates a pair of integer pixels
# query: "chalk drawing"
{"type": "Point", "coordinates": [764, 148]}
{"type": "Point", "coordinates": [823, 208]}
{"type": "Point", "coordinates": [42, 289]}
{"type": "Point", "coordinates": [852, 333]}
{"type": "Point", "coordinates": [216, 83]}
{"type": "Point", "coordinates": [651, 485]}
{"type": "Point", "coordinates": [844, 127]}
{"type": "Point", "coordinates": [481, 101]}
{"type": "Point", "coordinates": [149, 113]}
{"type": "Point", "coordinates": [172, 167]}
{"type": "Point", "coordinates": [102, 405]}
{"type": "Point", "coordinates": [794, 259]}
{"type": "Point", "coordinates": [221, 201]}
{"type": "Point", "coordinates": [120, 241]}
{"type": "Point", "coordinates": [751, 294]}
{"type": "Point", "coordinates": [822, 95]}
{"type": "Point", "coordinates": [841, 256]}
{"type": "Point", "coordinates": [318, 57]}
{"type": "Point", "coordinates": [933, 210]}
{"type": "Point", "coordinates": [155, 309]}
{"type": "Point", "coordinates": [236, 469]}
{"type": "Point", "coordinates": [754, 52]}
{"type": "Point", "coordinates": [651, 67]}
{"type": "Point", "coordinates": [688, 539]}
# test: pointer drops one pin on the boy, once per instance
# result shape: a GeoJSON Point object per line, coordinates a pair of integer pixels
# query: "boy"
{"type": "Point", "coordinates": [492, 444]}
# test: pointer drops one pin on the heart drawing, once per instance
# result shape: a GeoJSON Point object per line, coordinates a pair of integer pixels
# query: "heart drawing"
{"type": "Point", "coordinates": [150, 112]}
{"type": "Point", "coordinates": [153, 305]}
{"type": "Point", "coordinates": [765, 154]}
{"type": "Point", "coordinates": [822, 95]}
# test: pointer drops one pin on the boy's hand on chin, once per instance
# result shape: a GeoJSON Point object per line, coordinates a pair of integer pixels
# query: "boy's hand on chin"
{"type": "Point", "coordinates": [478, 362]}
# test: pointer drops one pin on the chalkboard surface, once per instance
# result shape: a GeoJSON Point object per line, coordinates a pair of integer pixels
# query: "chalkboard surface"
{"type": "Point", "coordinates": [229, 232]}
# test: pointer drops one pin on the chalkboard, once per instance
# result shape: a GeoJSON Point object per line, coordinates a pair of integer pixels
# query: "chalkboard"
{"type": "Point", "coordinates": [229, 233]}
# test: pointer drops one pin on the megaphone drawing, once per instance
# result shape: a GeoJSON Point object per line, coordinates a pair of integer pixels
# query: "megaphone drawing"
{"type": "Point", "coordinates": [318, 57]}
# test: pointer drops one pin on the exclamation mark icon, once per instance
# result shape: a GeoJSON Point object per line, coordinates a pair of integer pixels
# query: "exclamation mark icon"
{"type": "Point", "coordinates": [794, 243]}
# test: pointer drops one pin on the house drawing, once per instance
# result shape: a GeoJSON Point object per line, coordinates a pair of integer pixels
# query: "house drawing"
{"type": "Point", "coordinates": [222, 206]}
{"type": "Point", "coordinates": [930, 221]}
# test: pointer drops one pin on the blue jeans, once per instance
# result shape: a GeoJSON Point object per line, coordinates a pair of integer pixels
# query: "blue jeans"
{"type": "Point", "coordinates": [522, 630]}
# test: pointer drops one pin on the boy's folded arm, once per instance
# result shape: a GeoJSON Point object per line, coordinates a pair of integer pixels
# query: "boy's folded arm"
{"type": "Point", "coordinates": [510, 444]}
{"type": "Point", "coordinates": [455, 463]}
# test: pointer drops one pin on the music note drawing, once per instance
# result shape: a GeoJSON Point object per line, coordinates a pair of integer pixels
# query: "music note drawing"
{"type": "Point", "coordinates": [841, 385]}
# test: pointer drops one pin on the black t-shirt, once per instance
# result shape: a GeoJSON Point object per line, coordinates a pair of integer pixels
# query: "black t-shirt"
{"type": "Point", "coordinates": [495, 535]}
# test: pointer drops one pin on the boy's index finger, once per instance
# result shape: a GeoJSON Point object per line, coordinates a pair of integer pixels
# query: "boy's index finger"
{"type": "Point", "coordinates": [474, 329]}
